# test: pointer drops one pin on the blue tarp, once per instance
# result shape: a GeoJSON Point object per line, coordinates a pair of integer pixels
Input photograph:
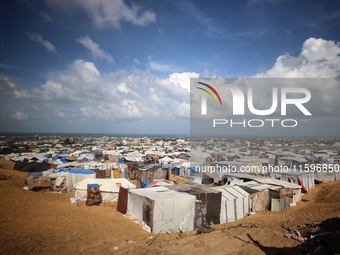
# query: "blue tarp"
{"type": "Point", "coordinates": [62, 158]}
{"type": "Point", "coordinates": [194, 169]}
{"type": "Point", "coordinates": [94, 185]}
{"type": "Point", "coordinates": [146, 182]}
{"type": "Point", "coordinates": [76, 171]}
{"type": "Point", "coordinates": [35, 174]}
{"type": "Point", "coordinates": [120, 161]}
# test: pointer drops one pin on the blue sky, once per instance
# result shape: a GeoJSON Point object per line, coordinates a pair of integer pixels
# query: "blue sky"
{"type": "Point", "coordinates": [113, 66]}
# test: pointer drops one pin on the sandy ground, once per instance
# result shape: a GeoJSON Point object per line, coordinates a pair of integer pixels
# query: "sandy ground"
{"type": "Point", "coordinates": [44, 222]}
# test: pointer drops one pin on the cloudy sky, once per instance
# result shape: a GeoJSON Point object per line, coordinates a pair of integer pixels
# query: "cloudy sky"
{"type": "Point", "coordinates": [114, 66]}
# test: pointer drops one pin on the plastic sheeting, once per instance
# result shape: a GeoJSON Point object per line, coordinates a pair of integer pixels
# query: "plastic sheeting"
{"type": "Point", "coordinates": [76, 171]}
{"type": "Point", "coordinates": [109, 188]}
{"type": "Point", "coordinates": [235, 203]}
{"type": "Point", "coordinates": [307, 178]}
{"type": "Point", "coordinates": [70, 177]}
{"type": "Point", "coordinates": [163, 210]}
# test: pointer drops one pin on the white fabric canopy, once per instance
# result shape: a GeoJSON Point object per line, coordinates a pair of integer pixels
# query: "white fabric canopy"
{"type": "Point", "coordinates": [235, 203]}
{"type": "Point", "coordinates": [162, 210]}
{"type": "Point", "coordinates": [109, 188]}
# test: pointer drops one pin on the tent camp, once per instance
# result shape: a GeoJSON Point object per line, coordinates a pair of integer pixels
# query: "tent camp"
{"type": "Point", "coordinates": [109, 188]}
{"type": "Point", "coordinates": [235, 203]}
{"type": "Point", "coordinates": [163, 210]}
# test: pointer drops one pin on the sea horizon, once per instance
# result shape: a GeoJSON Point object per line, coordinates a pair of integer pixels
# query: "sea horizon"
{"type": "Point", "coordinates": [120, 135]}
{"type": "Point", "coordinates": [74, 134]}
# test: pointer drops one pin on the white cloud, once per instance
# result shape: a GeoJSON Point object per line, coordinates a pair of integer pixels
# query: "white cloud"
{"type": "Point", "coordinates": [114, 96]}
{"type": "Point", "coordinates": [84, 93]}
{"type": "Point", "coordinates": [181, 79]}
{"type": "Point", "coordinates": [37, 38]}
{"type": "Point", "coordinates": [159, 66]}
{"type": "Point", "coordinates": [319, 58]}
{"type": "Point", "coordinates": [136, 61]}
{"type": "Point", "coordinates": [60, 114]}
{"type": "Point", "coordinates": [319, 49]}
{"type": "Point", "coordinates": [19, 116]}
{"type": "Point", "coordinates": [94, 49]}
{"type": "Point", "coordinates": [45, 17]}
{"type": "Point", "coordinates": [106, 13]}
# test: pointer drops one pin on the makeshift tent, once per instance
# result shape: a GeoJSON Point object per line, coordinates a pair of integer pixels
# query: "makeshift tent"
{"type": "Point", "coordinates": [162, 210]}
{"type": "Point", "coordinates": [208, 202]}
{"type": "Point", "coordinates": [160, 182]}
{"type": "Point", "coordinates": [64, 179]}
{"type": "Point", "coordinates": [62, 159]}
{"type": "Point", "coordinates": [184, 171]}
{"type": "Point", "coordinates": [187, 171]}
{"type": "Point", "coordinates": [259, 194]}
{"type": "Point", "coordinates": [33, 180]}
{"type": "Point", "coordinates": [195, 179]}
{"type": "Point", "coordinates": [34, 158]}
{"type": "Point", "coordinates": [194, 169]}
{"type": "Point", "coordinates": [93, 195]}
{"type": "Point", "coordinates": [31, 166]}
{"type": "Point", "coordinates": [307, 178]}
{"type": "Point", "coordinates": [166, 160]}
{"type": "Point", "coordinates": [235, 203]}
{"type": "Point", "coordinates": [109, 188]}
{"type": "Point", "coordinates": [69, 165]}
{"type": "Point", "coordinates": [151, 172]}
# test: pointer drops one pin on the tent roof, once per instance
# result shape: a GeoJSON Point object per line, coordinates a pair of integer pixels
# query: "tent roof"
{"type": "Point", "coordinates": [76, 171]}
{"type": "Point", "coordinates": [107, 185]}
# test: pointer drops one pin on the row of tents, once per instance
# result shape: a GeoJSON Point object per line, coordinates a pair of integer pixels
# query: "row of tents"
{"type": "Point", "coordinates": [191, 206]}
{"type": "Point", "coordinates": [166, 210]}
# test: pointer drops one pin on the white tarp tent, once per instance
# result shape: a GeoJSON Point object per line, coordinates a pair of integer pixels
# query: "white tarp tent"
{"type": "Point", "coordinates": [69, 177]}
{"type": "Point", "coordinates": [184, 171]}
{"type": "Point", "coordinates": [109, 188]}
{"type": "Point", "coordinates": [99, 165]}
{"type": "Point", "coordinates": [307, 178]}
{"type": "Point", "coordinates": [162, 210]}
{"type": "Point", "coordinates": [70, 165]}
{"type": "Point", "coordinates": [235, 203]}
{"type": "Point", "coordinates": [166, 160]}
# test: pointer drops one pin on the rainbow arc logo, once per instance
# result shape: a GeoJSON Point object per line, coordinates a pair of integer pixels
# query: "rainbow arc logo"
{"type": "Point", "coordinates": [204, 99]}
